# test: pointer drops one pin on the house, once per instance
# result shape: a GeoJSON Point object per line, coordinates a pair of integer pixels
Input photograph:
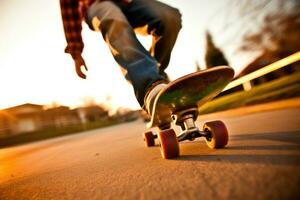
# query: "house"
{"type": "Point", "coordinates": [91, 113]}
{"type": "Point", "coordinates": [21, 119]}
{"type": "Point", "coordinates": [31, 117]}
{"type": "Point", "coordinates": [6, 119]}
{"type": "Point", "coordinates": [59, 117]}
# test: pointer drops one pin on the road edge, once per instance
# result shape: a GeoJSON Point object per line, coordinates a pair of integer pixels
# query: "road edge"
{"type": "Point", "coordinates": [277, 105]}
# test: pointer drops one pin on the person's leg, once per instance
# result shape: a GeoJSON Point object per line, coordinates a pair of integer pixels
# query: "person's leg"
{"type": "Point", "coordinates": [162, 21]}
{"type": "Point", "coordinates": [139, 67]}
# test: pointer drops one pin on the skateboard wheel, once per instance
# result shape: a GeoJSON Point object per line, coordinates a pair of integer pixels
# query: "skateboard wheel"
{"type": "Point", "coordinates": [218, 134]}
{"type": "Point", "coordinates": [169, 146]}
{"type": "Point", "coordinates": [149, 138]}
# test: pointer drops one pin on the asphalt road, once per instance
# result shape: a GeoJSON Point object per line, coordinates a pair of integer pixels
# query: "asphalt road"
{"type": "Point", "coordinates": [262, 161]}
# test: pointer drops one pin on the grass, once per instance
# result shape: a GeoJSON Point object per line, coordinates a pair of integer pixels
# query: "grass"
{"type": "Point", "coordinates": [54, 132]}
{"type": "Point", "coordinates": [283, 88]}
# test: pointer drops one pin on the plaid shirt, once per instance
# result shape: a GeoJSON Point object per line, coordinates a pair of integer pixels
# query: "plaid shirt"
{"type": "Point", "coordinates": [73, 13]}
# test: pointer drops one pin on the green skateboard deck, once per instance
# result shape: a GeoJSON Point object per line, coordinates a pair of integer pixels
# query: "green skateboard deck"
{"type": "Point", "coordinates": [190, 91]}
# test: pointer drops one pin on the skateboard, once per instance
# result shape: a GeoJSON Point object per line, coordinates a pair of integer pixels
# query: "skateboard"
{"type": "Point", "coordinates": [179, 102]}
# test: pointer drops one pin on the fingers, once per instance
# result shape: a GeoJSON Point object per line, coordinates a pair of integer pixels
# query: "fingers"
{"type": "Point", "coordinates": [79, 62]}
{"type": "Point", "coordinates": [85, 67]}
{"type": "Point", "coordinates": [79, 70]}
{"type": "Point", "coordinates": [80, 73]}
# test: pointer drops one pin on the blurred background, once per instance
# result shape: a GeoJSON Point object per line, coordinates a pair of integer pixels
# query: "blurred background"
{"type": "Point", "coordinates": [41, 95]}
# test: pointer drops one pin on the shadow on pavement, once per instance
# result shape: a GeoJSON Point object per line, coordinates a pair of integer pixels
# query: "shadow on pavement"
{"type": "Point", "coordinates": [252, 148]}
{"type": "Point", "coordinates": [246, 158]}
{"type": "Point", "coordinates": [291, 137]}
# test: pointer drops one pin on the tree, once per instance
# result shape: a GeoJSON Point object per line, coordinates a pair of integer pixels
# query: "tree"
{"type": "Point", "coordinates": [213, 55]}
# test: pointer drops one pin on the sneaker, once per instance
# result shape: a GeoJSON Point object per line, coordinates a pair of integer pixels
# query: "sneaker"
{"type": "Point", "coordinates": [150, 96]}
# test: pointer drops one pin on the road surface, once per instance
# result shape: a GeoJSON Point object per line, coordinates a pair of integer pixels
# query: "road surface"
{"type": "Point", "coordinates": [262, 161]}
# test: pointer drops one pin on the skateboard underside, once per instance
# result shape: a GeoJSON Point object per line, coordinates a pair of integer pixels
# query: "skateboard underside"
{"type": "Point", "coordinates": [188, 92]}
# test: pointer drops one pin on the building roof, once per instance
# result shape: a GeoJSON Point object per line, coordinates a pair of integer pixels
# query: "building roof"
{"type": "Point", "coordinates": [26, 105]}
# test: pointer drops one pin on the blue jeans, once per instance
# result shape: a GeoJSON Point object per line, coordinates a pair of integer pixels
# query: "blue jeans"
{"type": "Point", "coordinates": [118, 22]}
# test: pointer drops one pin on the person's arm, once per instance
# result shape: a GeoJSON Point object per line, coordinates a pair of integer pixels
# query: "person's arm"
{"type": "Point", "coordinates": [72, 24]}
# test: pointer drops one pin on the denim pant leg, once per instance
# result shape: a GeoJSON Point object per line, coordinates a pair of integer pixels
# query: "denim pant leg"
{"type": "Point", "coordinates": [138, 66]}
{"type": "Point", "coordinates": [162, 21]}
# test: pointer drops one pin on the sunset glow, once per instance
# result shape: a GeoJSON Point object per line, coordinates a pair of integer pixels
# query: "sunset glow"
{"type": "Point", "coordinates": [35, 69]}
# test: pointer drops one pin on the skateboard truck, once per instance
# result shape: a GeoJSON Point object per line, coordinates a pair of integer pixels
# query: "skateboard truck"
{"type": "Point", "coordinates": [186, 120]}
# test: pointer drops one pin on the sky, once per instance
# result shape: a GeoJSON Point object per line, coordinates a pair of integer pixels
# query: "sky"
{"type": "Point", "coordinates": [35, 69]}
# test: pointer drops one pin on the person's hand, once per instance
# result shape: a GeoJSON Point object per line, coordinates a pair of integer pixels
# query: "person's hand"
{"type": "Point", "coordinates": [79, 62]}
